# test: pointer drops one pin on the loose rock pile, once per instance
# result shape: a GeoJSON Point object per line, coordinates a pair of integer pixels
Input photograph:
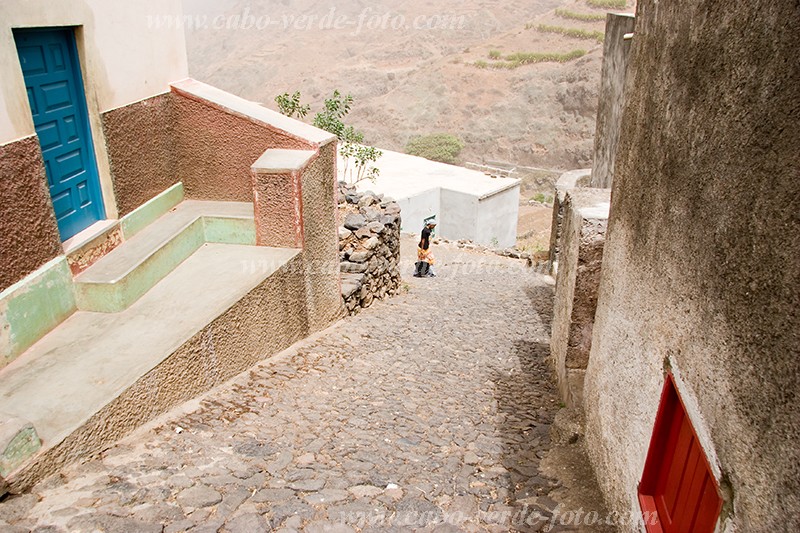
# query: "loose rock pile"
{"type": "Point", "coordinates": [369, 247]}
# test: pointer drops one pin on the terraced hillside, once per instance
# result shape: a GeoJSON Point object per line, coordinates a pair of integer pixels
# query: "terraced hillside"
{"type": "Point", "coordinates": [471, 68]}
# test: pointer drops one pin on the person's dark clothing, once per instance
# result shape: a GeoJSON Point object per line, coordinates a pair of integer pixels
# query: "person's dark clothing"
{"type": "Point", "coordinates": [425, 241]}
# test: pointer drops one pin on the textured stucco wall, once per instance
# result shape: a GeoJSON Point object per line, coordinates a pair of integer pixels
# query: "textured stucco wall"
{"type": "Point", "coordinates": [616, 54]}
{"type": "Point", "coordinates": [217, 148]}
{"type": "Point", "coordinates": [701, 267]}
{"type": "Point", "coordinates": [583, 237]}
{"type": "Point", "coordinates": [321, 239]}
{"type": "Point", "coordinates": [140, 140]}
{"type": "Point", "coordinates": [28, 232]}
{"type": "Point", "coordinates": [232, 343]}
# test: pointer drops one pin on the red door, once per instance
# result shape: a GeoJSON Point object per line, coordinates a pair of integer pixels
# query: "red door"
{"type": "Point", "coordinates": [678, 492]}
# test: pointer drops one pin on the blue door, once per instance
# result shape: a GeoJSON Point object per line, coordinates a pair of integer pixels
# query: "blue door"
{"type": "Point", "coordinates": [49, 60]}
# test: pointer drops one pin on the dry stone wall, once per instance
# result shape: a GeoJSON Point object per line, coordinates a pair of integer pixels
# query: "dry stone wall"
{"type": "Point", "coordinates": [369, 247]}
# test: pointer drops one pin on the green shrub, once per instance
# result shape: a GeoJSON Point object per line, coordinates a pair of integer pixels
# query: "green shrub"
{"type": "Point", "coordinates": [574, 15]}
{"type": "Point", "coordinates": [495, 54]}
{"type": "Point", "coordinates": [572, 32]}
{"type": "Point", "coordinates": [442, 147]}
{"type": "Point", "coordinates": [613, 4]}
{"type": "Point", "coordinates": [481, 63]}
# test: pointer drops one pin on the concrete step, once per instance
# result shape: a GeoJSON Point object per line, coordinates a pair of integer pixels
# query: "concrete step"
{"type": "Point", "coordinates": [117, 280]}
{"type": "Point", "coordinates": [99, 375]}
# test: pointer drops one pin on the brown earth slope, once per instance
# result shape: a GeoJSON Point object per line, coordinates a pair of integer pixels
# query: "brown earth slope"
{"type": "Point", "coordinates": [411, 68]}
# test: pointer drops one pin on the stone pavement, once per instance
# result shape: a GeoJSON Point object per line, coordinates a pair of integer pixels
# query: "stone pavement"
{"type": "Point", "coordinates": [430, 411]}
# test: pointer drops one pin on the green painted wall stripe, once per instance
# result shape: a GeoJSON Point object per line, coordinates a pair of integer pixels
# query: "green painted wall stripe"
{"type": "Point", "coordinates": [115, 297]}
{"type": "Point", "coordinates": [33, 306]}
{"type": "Point", "coordinates": [230, 230]}
{"type": "Point", "coordinates": [150, 211]}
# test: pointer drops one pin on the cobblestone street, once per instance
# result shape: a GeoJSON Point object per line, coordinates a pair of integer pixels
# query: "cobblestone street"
{"type": "Point", "coordinates": [430, 411]}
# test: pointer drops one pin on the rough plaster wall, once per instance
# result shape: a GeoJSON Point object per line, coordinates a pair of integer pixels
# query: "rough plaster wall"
{"type": "Point", "coordinates": [576, 289]}
{"type": "Point", "coordinates": [616, 54]}
{"type": "Point", "coordinates": [568, 180]}
{"type": "Point", "coordinates": [701, 259]}
{"type": "Point", "coordinates": [321, 239]}
{"type": "Point", "coordinates": [216, 150]}
{"type": "Point", "coordinates": [276, 212]}
{"type": "Point", "coordinates": [28, 232]}
{"type": "Point", "coordinates": [140, 140]}
{"type": "Point", "coordinates": [245, 334]}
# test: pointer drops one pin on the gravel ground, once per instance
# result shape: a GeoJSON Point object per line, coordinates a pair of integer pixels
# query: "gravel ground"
{"type": "Point", "coordinates": [430, 411]}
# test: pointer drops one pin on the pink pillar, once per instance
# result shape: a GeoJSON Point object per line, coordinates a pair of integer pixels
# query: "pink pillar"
{"type": "Point", "coordinates": [278, 197]}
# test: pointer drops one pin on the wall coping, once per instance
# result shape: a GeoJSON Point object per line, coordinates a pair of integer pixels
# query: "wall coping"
{"type": "Point", "coordinates": [282, 161]}
{"type": "Point", "coordinates": [236, 105]}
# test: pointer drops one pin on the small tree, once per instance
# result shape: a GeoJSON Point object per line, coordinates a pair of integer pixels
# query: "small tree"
{"type": "Point", "coordinates": [331, 119]}
{"type": "Point", "coordinates": [290, 106]}
{"type": "Point", "coordinates": [363, 157]}
{"type": "Point", "coordinates": [442, 147]}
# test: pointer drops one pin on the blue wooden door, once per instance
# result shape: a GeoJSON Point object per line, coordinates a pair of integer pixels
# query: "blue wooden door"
{"type": "Point", "coordinates": [49, 60]}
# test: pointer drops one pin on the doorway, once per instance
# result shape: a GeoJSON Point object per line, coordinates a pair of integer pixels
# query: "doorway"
{"type": "Point", "coordinates": [51, 68]}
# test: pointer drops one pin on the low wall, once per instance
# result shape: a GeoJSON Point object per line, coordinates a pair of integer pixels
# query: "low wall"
{"type": "Point", "coordinates": [582, 240]}
{"type": "Point", "coordinates": [142, 150]}
{"type": "Point", "coordinates": [568, 180]}
{"type": "Point", "coordinates": [369, 244]}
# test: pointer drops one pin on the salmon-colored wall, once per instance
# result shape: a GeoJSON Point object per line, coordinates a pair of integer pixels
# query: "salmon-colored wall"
{"type": "Point", "coordinates": [278, 209]}
{"type": "Point", "coordinates": [216, 149]}
{"type": "Point", "coordinates": [28, 232]}
{"type": "Point", "coordinates": [140, 140]}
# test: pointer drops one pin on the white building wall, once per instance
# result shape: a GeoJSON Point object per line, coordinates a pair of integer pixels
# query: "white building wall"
{"type": "Point", "coordinates": [459, 215]}
{"type": "Point", "coordinates": [416, 208]}
{"type": "Point", "coordinates": [497, 215]}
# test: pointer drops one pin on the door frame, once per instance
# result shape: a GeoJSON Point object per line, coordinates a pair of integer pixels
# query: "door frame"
{"type": "Point", "coordinates": [81, 109]}
{"type": "Point", "coordinates": [80, 22]}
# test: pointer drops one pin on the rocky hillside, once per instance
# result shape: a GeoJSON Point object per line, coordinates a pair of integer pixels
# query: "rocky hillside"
{"type": "Point", "coordinates": [417, 68]}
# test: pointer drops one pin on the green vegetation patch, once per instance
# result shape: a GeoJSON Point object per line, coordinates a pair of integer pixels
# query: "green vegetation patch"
{"type": "Point", "coordinates": [525, 58]}
{"type": "Point", "coordinates": [577, 33]}
{"type": "Point", "coordinates": [574, 15]}
{"type": "Point", "coordinates": [613, 4]}
{"type": "Point", "coordinates": [518, 59]}
{"type": "Point", "coordinates": [442, 147]}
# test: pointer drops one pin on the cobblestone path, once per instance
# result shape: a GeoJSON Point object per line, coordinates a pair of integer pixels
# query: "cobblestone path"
{"type": "Point", "coordinates": [430, 412]}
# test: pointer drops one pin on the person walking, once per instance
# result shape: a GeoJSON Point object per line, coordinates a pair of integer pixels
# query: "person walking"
{"type": "Point", "coordinates": [425, 260]}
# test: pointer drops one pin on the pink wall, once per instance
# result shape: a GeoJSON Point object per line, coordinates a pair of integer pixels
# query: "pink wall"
{"type": "Point", "coordinates": [140, 140]}
{"type": "Point", "coordinates": [217, 148]}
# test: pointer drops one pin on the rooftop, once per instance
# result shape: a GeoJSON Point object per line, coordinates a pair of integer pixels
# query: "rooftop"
{"type": "Point", "coordinates": [404, 175]}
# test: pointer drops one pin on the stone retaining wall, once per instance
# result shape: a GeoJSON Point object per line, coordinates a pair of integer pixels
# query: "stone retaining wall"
{"type": "Point", "coordinates": [369, 247]}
